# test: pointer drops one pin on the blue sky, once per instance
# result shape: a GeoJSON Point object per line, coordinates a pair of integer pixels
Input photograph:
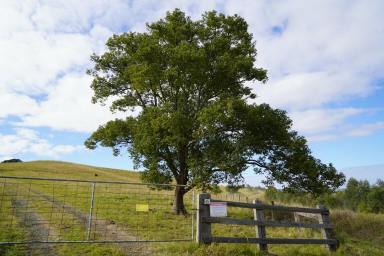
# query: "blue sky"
{"type": "Point", "coordinates": [324, 59]}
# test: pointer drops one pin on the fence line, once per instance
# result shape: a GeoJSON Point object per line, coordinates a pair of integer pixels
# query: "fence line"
{"type": "Point", "coordinates": [204, 233]}
{"type": "Point", "coordinates": [44, 210]}
{"type": "Point", "coordinates": [90, 181]}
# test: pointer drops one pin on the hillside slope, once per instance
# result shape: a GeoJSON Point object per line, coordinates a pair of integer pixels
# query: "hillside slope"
{"type": "Point", "coordinates": [66, 170]}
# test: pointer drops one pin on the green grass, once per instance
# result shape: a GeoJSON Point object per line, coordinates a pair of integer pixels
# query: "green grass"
{"type": "Point", "coordinates": [359, 234]}
{"type": "Point", "coordinates": [65, 170]}
{"type": "Point", "coordinates": [13, 232]}
{"type": "Point", "coordinates": [113, 203]}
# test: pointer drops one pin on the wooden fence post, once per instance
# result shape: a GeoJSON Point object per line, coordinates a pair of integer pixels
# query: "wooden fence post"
{"type": "Point", "coordinates": [260, 229]}
{"type": "Point", "coordinates": [203, 234]}
{"type": "Point", "coordinates": [326, 232]}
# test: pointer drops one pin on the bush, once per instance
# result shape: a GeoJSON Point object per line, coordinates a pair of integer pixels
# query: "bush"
{"type": "Point", "coordinates": [358, 196]}
{"type": "Point", "coordinates": [12, 161]}
{"type": "Point", "coordinates": [375, 200]}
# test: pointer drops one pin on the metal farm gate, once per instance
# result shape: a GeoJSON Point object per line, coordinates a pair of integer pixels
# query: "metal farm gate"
{"type": "Point", "coordinates": [40, 210]}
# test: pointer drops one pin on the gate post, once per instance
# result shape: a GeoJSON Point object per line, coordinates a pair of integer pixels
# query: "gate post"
{"type": "Point", "coordinates": [203, 234]}
{"type": "Point", "coordinates": [326, 232]}
{"type": "Point", "coordinates": [89, 226]}
{"type": "Point", "coordinates": [260, 229]}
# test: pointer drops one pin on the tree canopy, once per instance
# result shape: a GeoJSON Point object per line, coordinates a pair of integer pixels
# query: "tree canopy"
{"type": "Point", "coordinates": [195, 124]}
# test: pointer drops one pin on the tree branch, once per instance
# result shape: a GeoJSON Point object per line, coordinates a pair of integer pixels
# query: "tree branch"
{"type": "Point", "coordinates": [258, 163]}
{"type": "Point", "coordinates": [170, 163]}
{"type": "Point", "coordinates": [143, 105]}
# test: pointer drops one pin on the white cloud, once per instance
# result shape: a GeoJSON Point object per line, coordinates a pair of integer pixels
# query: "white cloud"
{"type": "Point", "coordinates": [323, 137]}
{"type": "Point", "coordinates": [320, 120]}
{"type": "Point", "coordinates": [29, 141]}
{"type": "Point", "coordinates": [43, 40]}
{"type": "Point", "coordinates": [32, 60]}
{"type": "Point", "coordinates": [16, 104]}
{"type": "Point", "coordinates": [28, 134]}
{"type": "Point", "coordinates": [68, 107]}
{"type": "Point", "coordinates": [366, 129]}
{"type": "Point", "coordinates": [346, 131]}
{"type": "Point", "coordinates": [339, 34]}
{"type": "Point", "coordinates": [325, 52]}
{"type": "Point", "coordinates": [46, 149]}
{"type": "Point", "coordinates": [333, 124]}
{"type": "Point", "coordinates": [304, 90]}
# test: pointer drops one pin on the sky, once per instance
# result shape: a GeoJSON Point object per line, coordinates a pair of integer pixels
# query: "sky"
{"type": "Point", "coordinates": [325, 63]}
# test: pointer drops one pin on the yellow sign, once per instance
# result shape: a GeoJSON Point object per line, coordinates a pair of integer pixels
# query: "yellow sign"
{"type": "Point", "coordinates": [142, 207]}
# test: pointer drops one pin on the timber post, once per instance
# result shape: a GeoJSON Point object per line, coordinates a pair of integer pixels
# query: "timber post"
{"type": "Point", "coordinates": [260, 229]}
{"type": "Point", "coordinates": [203, 234]}
{"type": "Point", "coordinates": [326, 232]}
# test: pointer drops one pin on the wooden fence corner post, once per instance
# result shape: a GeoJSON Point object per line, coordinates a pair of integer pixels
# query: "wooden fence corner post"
{"type": "Point", "coordinates": [203, 234]}
{"type": "Point", "coordinates": [326, 232]}
{"type": "Point", "coordinates": [260, 229]}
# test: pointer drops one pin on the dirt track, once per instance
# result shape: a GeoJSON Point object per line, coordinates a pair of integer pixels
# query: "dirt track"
{"type": "Point", "coordinates": [35, 230]}
{"type": "Point", "coordinates": [38, 228]}
{"type": "Point", "coordinates": [108, 230]}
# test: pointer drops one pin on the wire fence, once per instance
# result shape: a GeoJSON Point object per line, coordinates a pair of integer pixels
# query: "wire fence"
{"type": "Point", "coordinates": [37, 210]}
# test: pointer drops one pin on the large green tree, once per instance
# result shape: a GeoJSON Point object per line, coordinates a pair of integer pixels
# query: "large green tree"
{"type": "Point", "coordinates": [187, 81]}
{"type": "Point", "coordinates": [356, 194]}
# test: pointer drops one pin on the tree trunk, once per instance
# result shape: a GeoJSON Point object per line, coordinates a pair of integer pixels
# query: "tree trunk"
{"type": "Point", "coordinates": [178, 204]}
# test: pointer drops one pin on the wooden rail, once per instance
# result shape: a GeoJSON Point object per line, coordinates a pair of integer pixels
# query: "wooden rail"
{"type": "Point", "coordinates": [204, 221]}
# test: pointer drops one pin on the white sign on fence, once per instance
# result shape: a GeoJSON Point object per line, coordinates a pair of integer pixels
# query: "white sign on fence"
{"type": "Point", "coordinates": [218, 209]}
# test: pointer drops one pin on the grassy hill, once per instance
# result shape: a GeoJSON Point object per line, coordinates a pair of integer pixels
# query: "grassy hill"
{"type": "Point", "coordinates": [65, 170]}
{"type": "Point", "coordinates": [359, 234]}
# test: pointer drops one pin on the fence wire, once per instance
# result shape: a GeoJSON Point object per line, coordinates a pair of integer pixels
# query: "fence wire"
{"type": "Point", "coordinates": [34, 210]}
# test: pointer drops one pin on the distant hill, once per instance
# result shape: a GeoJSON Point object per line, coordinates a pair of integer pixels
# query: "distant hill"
{"type": "Point", "coordinates": [66, 170]}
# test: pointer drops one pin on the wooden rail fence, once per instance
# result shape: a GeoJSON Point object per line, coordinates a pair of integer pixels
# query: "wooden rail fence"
{"type": "Point", "coordinates": [204, 221]}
